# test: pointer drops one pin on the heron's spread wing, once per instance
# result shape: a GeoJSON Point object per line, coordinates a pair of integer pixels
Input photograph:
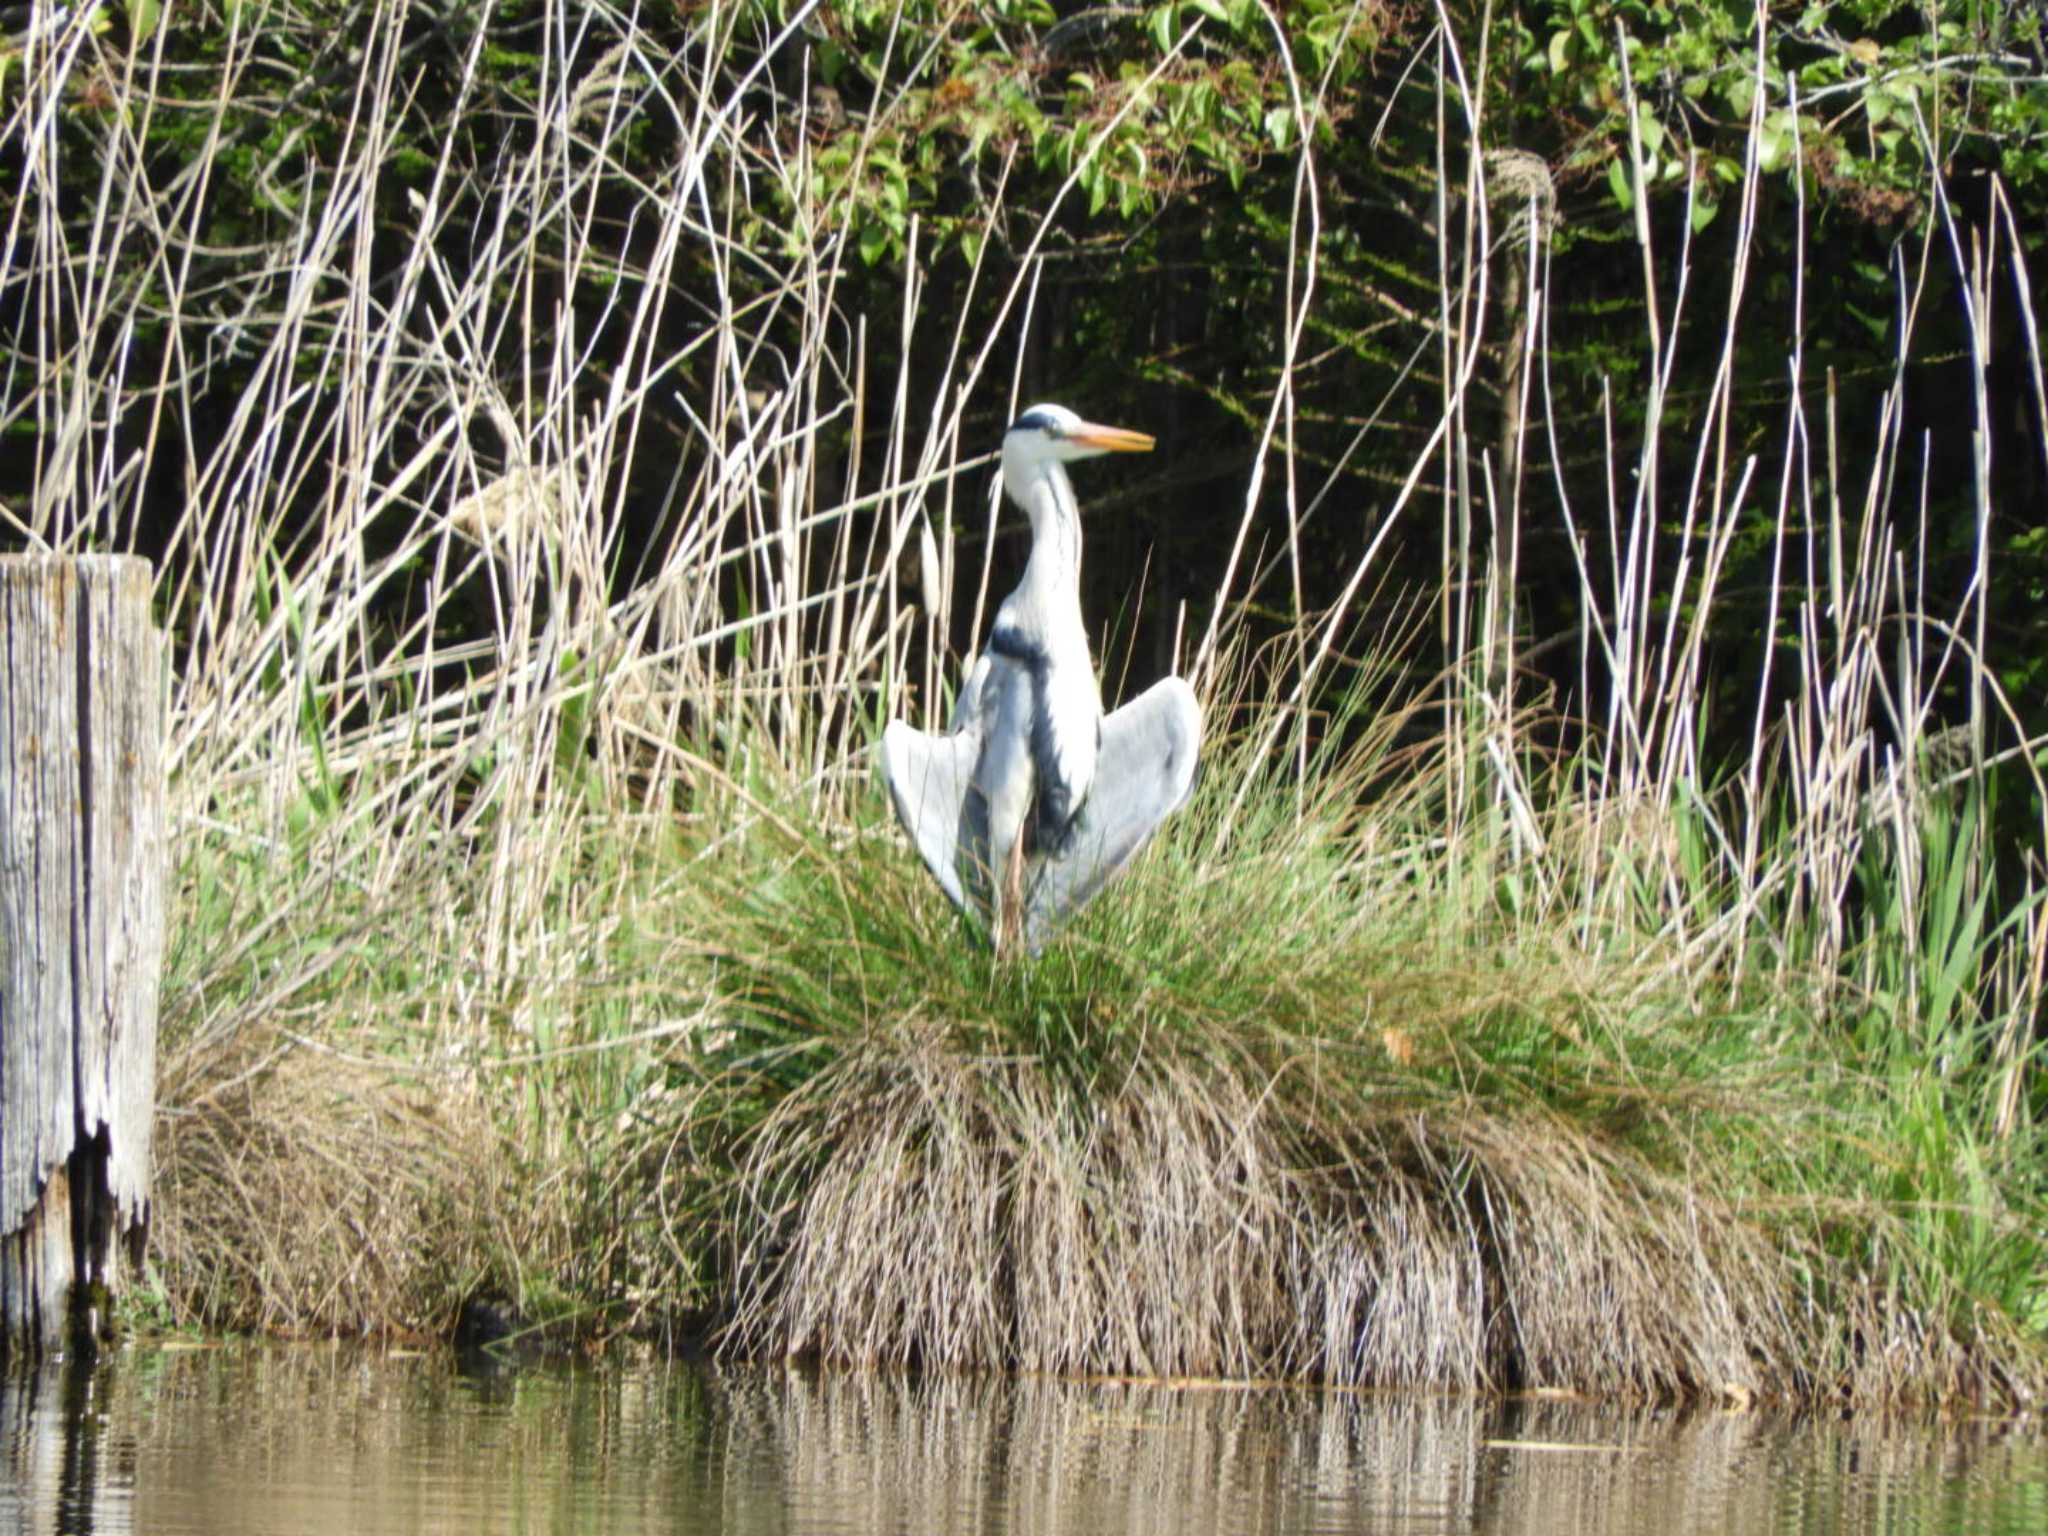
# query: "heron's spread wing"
{"type": "Point", "coordinates": [928, 779]}
{"type": "Point", "coordinates": [963, 796]}
{"type": "Point", "coordinates": [1144, 772]}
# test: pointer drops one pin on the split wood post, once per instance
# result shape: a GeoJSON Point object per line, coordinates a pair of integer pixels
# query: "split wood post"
{"type": "Point", "coordinates": [81, 935]}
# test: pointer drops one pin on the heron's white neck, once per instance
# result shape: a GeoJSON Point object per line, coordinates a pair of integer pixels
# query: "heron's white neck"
{"type": "Point", "coordinates": [1052, 580]}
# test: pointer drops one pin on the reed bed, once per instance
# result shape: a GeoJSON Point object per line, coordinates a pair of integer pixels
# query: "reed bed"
{"type": "Point", "coordinates": [540, 932]}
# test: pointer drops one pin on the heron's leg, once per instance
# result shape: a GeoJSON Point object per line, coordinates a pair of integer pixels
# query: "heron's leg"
{"type": "Point", "coordinates": [1010, 922]}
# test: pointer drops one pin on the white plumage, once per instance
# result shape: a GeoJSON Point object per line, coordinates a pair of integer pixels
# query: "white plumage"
{"type": "Point", "coordinates": [1034, 800]}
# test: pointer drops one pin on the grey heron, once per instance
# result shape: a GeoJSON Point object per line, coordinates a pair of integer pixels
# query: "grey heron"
{"type": "Point", "coordinates": [1034, 799]}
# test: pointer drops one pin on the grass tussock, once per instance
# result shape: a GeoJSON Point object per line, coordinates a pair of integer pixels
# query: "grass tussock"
{"type": "Point", "coordinates": [310, 1193]}
{"type": "Point", "coordinates": [955, 1213]}
{"type": "Point", "coordinates": [1264, 1139]}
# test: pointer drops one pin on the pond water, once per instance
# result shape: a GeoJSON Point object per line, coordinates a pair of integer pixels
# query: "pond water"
{"type": "Point", "coordinates": [249, 1438]}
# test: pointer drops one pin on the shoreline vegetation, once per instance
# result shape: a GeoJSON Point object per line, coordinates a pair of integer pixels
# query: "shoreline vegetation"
{"type": "Point", "coordinates": [540, 932]}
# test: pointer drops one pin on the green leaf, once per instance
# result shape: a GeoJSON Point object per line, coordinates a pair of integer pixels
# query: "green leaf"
{"type": "Point", "coordinates": [1773, 147]}
{"type": "Point", "coordinates": [1650, 130]}
{"type": "Point", "coordinates": [1165, 26]}
{"type": "Point", "coordinates": [1618, 184]}
{"type": "Point", "coordinates": [1877, 322]}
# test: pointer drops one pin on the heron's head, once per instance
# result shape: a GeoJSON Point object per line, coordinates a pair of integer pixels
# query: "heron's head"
{"type": "Point", "coordinates": [1054, 433]}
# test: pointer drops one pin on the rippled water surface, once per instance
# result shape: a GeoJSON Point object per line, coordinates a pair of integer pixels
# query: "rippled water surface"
{"type": "Point", "coordinates": [252, 1438]}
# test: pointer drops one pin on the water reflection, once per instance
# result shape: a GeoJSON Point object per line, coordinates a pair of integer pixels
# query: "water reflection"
{"type": "Point", "coordinates": [264, 1439]}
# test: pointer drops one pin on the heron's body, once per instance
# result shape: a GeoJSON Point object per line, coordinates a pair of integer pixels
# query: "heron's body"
{"type": "Point", "coordinates": [1033, 799]}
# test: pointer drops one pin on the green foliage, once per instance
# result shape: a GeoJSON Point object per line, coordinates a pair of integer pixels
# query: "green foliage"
{"type": "Point", "coordinates": [930, 107]}
{"type": "Point", "coordinates": [1855, 95]}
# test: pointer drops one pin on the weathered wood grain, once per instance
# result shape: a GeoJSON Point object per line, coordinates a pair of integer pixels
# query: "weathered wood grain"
{"type": "Point", "coordinates": [81, 929]}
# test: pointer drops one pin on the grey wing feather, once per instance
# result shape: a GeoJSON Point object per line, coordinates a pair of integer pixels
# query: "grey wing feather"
{"type": "Point", "coordinates": [1145, 772]}
{"type": "Point", "coordinates": [928, 778]}
{"type": "Point", "coordinates": [932, 782]}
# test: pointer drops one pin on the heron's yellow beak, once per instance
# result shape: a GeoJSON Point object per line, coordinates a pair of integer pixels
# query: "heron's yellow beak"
{"type": "Point", "coordinates": [1110, 439]}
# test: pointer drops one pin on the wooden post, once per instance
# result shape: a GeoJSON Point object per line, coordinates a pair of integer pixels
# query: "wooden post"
{"type": "Point", "coordinates": [81, 934]}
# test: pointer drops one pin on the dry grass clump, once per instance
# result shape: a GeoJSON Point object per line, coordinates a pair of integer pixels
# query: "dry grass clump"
{"type": "Point", "coordinates": [316, 1193]}
{"type": "Point", "coordinates": [372, 1111]}
{"type": "Point", "coordinates": [919, 1205]}
{"type": "Point", "coordinates": [963, 1212]}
